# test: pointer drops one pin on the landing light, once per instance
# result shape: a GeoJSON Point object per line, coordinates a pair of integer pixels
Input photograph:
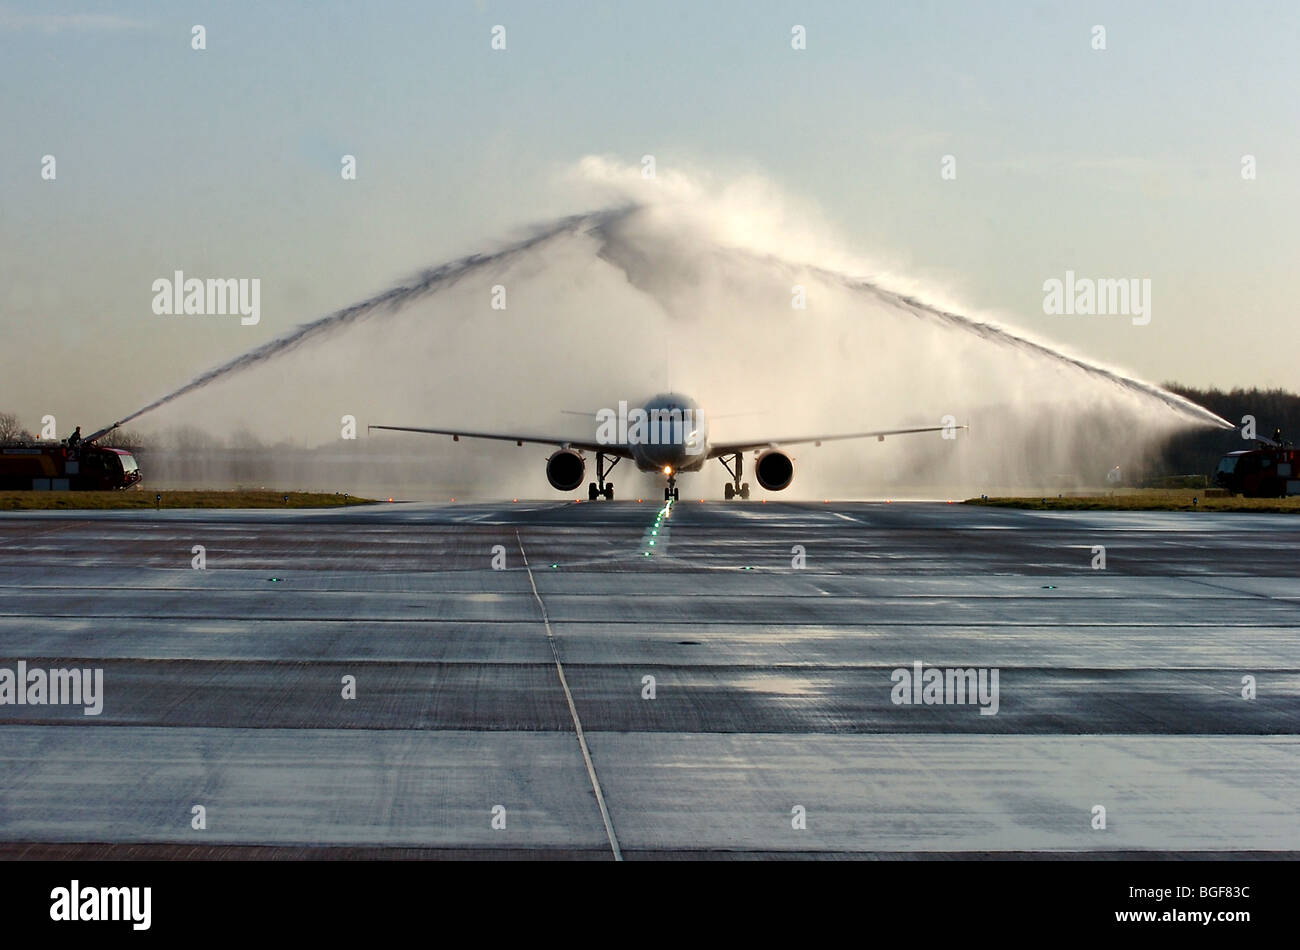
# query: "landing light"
{"type": "Point", "coordinates": [668, 470]}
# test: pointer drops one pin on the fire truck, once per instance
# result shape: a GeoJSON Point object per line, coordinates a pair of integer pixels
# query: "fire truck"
{"type": "Point", "coordinates": [1270, 471]}
{"type": "Point", "coordinates": [58, 466]}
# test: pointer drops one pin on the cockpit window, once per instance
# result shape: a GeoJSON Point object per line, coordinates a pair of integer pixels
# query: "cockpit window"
{"type": "Point", "coordinates": [1228, 464]}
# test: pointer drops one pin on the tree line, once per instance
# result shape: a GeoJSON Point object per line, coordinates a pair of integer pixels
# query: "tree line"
{"type": "Point", "coordinates": [1198, 452]}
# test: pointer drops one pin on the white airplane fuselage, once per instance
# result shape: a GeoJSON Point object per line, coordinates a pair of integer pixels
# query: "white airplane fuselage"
{"type": "Point", "coordinates": [668, 435]}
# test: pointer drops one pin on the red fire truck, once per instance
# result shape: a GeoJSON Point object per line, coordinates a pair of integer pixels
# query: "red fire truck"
{"type": "Point", "coordinates": [1270, 471]}
{"type": "Point", "coordinates": [57, 466]}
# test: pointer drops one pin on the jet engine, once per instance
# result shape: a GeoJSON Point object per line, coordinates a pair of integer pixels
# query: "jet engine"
{"type": "Point", "coordinates": [564, 470]}
{"type": "Point", "coordinates": [774, 470]}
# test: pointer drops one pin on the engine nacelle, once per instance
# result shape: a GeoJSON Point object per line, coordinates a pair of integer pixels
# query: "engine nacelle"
{"type": "Point", "coordinates": [774, 470]}
{"type": "Point", "coordinates": [565, 469]}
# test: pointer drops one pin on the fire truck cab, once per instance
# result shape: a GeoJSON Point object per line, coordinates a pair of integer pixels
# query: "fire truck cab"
{"type": "Point", "coordinates": [1265, 472]}
{"type": "Point", "coordinates": [56, 466]}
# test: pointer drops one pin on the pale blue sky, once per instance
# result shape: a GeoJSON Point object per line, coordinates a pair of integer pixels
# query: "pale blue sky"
{"type": "Point", "coordinates": [1117, 163]}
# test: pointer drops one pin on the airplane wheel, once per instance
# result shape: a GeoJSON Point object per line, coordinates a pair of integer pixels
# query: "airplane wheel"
{"type": "Point", "coordinates": [676, 497]}
{"type": "Point", "coordinates": [728, 491]}
{"type": "Point", "coordinates": [744, 490]}
{"type": "Point", "coordinates": [668, 494]}
{"type": "Point", "coordinates": [609, 491]}
{"type": "Point", "coordinates": [592, 492]}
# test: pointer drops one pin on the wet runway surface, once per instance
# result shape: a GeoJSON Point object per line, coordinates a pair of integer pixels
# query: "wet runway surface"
{"type": "Point", "coordinates": [734, 668]}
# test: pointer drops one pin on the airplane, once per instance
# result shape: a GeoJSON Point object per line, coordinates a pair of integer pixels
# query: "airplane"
{"type": "Point", "coordinates": [667, 435]}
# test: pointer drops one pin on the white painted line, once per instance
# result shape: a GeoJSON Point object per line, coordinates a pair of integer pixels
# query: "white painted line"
{"type": "Point", "coordinates": [573, 710]}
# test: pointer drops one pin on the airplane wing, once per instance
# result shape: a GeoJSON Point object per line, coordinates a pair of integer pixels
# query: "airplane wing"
{"type": "Point", "coordinates": [731, 448]}
{"type": "Point", "coordinates": [561, 442]}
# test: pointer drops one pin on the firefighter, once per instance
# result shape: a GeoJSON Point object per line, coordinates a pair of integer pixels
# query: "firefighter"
{"type": "Point", "coordinates": [74, 440]}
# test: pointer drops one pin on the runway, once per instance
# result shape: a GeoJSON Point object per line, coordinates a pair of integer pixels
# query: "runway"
{"type": "Point", "coordinates": [510, 712]}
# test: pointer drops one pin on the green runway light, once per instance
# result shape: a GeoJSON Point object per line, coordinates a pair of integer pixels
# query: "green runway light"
{"type": "Point", "coordinates": [274, 580]}
{"type": "Point", "coordinates": [555, 565]}
{"type": "Point", "coordinates": [1049, 587]}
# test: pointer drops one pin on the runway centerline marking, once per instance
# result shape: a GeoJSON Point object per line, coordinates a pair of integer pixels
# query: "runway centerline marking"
{"type": "Point", "coordinates": [573, 710]}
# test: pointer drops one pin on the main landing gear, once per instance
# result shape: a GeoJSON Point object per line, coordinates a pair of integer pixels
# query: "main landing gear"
{"type": "Point", "coordinates": [601, 488]}
{"type": "Point", "coordinates": [734, 488]}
